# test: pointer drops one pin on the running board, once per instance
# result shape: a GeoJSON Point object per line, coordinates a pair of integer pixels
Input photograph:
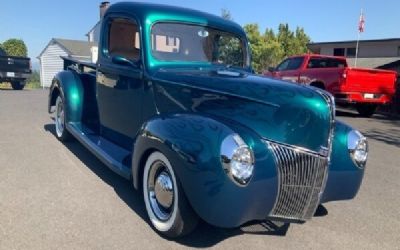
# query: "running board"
{"type": "Point", "coordinates": [112, 155]}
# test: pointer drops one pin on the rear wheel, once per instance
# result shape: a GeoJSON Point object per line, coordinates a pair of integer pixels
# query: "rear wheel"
{"type": "Point", "coordinates": [166, 204]}
{"type": "Point", "coordinates": [17, 85]}
{"type": "Point", "coordinates": [366, 110]}
{"type": "Point", "coordinates": [59, 120]}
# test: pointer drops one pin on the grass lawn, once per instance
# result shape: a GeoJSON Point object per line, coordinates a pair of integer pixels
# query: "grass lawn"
{"type": "Point", "coordinates": [29, 85]}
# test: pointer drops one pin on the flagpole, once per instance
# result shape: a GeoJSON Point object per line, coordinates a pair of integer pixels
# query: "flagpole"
{"type": "Point", "coordinates": [360, 29]}
{"type": "Point", "coordinates": [358, 42]}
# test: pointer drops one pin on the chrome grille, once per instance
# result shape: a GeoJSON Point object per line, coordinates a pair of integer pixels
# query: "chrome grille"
{"type": "Point", "coordinates": [302, 175]}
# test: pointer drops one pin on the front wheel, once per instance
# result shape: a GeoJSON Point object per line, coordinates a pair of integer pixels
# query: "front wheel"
{"type": "Point", "coordinates": [366, 110]}
{"type": "Point", "coordinates": [17, 85]}
{"type": "Point", "coordinates": [166, 204]}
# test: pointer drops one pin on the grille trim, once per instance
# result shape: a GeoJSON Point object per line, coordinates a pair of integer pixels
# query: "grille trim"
{"type": "Point", "coordinates": [302, 177]}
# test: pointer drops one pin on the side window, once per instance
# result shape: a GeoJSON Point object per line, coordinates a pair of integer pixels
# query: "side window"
{"type": "Point", "coordinates": [314, 63]}
{"type": "Point", "coordinates": [335, 63]}
{"type": "Point", "coordinates": [123, 39]}
{"type": "Point", "coordinates": [291, 64]}
{"type": "Point", "coordinates": [283, 66]}
{"type": "Point", "coordinates": [295, 63]}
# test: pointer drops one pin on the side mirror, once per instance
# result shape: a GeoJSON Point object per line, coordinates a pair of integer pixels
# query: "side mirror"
{"type": "Point", "coordinates": [271, 69]}
{"type": "Point", "coordinates": [123, 61]}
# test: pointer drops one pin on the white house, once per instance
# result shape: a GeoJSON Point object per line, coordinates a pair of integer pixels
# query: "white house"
{"type": "Point", "coordinates": [94, 34]}
{"type": "Point", "coordinates": [50, 58]}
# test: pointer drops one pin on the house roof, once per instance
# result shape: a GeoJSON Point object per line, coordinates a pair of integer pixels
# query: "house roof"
{"type": "Point", "coordinates": [372, 62]}
{"type": "Point", "coordinates": [355, 41]}
{"type": "Point", "coordinates": [74, 48]}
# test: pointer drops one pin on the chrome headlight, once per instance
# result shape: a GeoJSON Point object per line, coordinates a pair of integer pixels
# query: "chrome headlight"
{"type": "Point", "coordinates": [237, 159]}
{"type": "Point", "coordinates": [358, 147]}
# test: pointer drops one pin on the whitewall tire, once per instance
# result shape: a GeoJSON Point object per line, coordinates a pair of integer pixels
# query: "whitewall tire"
{"type": "Point", "coordinates": [166, 204]}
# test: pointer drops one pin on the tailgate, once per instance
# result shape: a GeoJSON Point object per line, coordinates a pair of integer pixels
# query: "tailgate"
{"type": "Point", "coordinates": [15, 64]}
{"type": "Point", "coordinates": [370, 81]}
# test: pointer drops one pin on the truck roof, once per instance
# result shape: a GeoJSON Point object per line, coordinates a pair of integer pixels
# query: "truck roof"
{"type": "Point", "coordinates": [320, 56]}
{"type": "Point", "coordinates": [150, 11]}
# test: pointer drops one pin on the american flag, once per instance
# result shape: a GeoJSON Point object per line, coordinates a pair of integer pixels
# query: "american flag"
{"type": "Point", "coordinates": [361, 23]}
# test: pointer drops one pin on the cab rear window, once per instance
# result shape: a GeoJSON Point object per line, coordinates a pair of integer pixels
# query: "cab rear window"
{"type": "Point", "coordinates": [318, 63]}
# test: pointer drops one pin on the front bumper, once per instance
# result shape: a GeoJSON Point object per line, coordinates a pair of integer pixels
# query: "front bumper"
{"type": "Point", "coordinates": [13, 76]}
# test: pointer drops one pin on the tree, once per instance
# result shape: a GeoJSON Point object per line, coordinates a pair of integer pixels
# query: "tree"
{"type": "Point", "coordinates": [226, 14]}
{"type": "Point", "coordinates": [15, 47]}
{"type": "Point", "coordinates": [266, 50]}
{"type": "Point", "coordinates": [270, 48]}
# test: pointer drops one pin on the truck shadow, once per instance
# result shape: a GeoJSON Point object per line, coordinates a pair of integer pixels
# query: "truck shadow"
{"type": "Point", "coordinates": [204, 235]}
{"type": "Point", "coordinates": [390, 136]}
{"type": "Point", "coordinates": [385, 130]}
{"type": "Point", "coordinates": [346, 113]}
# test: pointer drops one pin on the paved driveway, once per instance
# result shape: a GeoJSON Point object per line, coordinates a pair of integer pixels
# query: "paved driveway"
{"type": "Point", "coordinates": [56, 196]}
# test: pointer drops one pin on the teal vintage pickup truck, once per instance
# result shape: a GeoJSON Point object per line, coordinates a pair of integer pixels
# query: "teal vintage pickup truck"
{"type": "Point", "coordinates": [172, 105]}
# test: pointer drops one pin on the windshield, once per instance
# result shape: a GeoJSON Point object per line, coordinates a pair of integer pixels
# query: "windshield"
{"type": "Point", "coordinates": [194, 43]}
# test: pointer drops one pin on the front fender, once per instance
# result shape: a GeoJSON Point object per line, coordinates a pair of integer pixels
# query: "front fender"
{"type": "Point", "coordinates": [344, 178]}
{"type": "Point", "coordinates": [192, 144]}
{"type": "Point", "coordinates": [68, 84]}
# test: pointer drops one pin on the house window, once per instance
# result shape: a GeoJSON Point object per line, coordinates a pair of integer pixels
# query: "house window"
{"type": "Point", "coordinates": [351, 52]}
{"type": "Point", "coordinates": [338, 51]}
{"type": "Point", "coordinates": [398, 51]}
{"type": "Point", "coordinates": [164, 43]}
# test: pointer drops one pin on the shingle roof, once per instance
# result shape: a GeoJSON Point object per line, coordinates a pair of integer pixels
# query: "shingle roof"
{"type": "Point", "coordinates": [372, 62]}
{"type": "Point", "coordinates": [76, 47]}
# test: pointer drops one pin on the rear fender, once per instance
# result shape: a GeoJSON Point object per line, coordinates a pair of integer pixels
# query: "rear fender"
{"type": "Point", "coordinates": [69, 86]}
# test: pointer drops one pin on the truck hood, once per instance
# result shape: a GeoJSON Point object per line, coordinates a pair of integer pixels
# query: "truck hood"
{"type": "Point", "coordinates": [275, 110]}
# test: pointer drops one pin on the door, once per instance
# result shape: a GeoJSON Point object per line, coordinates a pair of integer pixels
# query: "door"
{"type": "Point", "coordinates": [119, 80]}
{"type": "Point", "coordinates": [289, 69]}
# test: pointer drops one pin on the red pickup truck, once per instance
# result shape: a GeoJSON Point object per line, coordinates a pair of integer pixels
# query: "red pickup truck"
{"type": "Point", "coordinates": [364, 88]}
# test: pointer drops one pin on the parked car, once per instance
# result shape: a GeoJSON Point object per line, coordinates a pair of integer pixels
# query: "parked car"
{"type": "Point", "coordinates": [365, 89]}
{"type": "Point", "coordinates": [14, 69]}
{"type": "Point", "coordinates": [173, 108]}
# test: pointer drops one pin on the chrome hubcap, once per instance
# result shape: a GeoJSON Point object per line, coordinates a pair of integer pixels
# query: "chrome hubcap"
{"type": "Point", "coordinates": [59, 118]}
{"type": "Point", "coordinates": [160, 191]}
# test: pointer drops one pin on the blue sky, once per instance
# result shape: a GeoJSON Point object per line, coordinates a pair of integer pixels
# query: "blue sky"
{"type": "Point", "coordinates": [36, 22]}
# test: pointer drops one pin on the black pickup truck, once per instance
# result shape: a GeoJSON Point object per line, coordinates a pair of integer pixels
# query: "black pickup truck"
{"type": "Point", "coordinates": [14, 69]}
